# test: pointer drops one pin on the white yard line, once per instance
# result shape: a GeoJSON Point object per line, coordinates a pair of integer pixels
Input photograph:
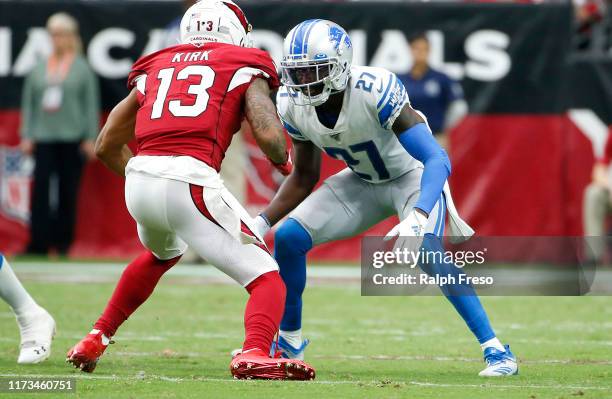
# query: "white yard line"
{"type": "Point", "coordinates": [432, 384]}
{"type": "Point", "coordinates": [129, 336]}
{"type": "Point", "coordinates": [564, 342]}
{"type": "Point", "coordinates": [348, 275]}
{"type": "Point", "coordinates": [457, 359]}
{"type": "Point", "coordinates": [99, 272]}
{"type": "Point", "coordinates": [178, 354]}
{"type": "Point", "coordinates": [325, 382]}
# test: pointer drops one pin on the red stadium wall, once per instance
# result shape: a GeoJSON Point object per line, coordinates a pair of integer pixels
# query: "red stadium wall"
{"type": "Point", "coordinates": [520, 175]}
{"type": "Point", "coordinates": [13, 233]}
{"type": "Point", "coordinates": [515, 175]}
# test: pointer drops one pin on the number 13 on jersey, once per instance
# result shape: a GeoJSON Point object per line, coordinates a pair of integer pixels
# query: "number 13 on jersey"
{"type": "Point", "coordinates": [200, 90]}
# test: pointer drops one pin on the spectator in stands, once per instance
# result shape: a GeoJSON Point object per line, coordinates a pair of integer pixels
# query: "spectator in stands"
{"type": "Point", "coordinates": [597, 204]}
{"type": "Point", "coordinates": [589, 14]}
{"type": "Point", "coordinates": [60, 121]}
{"type": "Point", "coordinates": [432, 92]}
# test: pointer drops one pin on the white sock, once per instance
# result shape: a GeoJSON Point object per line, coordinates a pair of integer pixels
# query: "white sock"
{"type": "Point", "coordinates": [294, 338]}
{"type": "Point", "coordinates": [493, 342]}
{"type": "Point", "coordinates": [13, 292]}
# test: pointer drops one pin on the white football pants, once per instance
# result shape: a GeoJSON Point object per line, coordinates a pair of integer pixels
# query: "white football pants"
{"type": "Point", "coordinates": [172, 215]}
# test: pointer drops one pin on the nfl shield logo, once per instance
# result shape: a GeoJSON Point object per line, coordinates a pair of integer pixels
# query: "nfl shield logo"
{"type": "Point", "coordinates": [15, 178]}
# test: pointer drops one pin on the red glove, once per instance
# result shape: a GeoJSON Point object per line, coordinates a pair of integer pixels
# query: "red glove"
{"type": "Point", "coordinates": [284, 168]}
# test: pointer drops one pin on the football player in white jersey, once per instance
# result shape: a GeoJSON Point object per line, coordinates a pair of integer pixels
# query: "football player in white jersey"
{"type": "Point", "coordinates": [362, 116]}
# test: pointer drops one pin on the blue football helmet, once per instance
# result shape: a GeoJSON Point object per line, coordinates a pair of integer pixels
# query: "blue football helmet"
{"type": "Point", "coordinates": [317, 56]}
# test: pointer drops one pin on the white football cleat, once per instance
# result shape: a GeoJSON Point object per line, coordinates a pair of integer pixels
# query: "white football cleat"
{"type": "Point", "coordinates": [37, 331]}
{"type": "Point", "coordinates": [499, 364]}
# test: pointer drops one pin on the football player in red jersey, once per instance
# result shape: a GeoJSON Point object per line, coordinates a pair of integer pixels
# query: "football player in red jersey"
{"type": "Point", "coordinates": [185, 104]}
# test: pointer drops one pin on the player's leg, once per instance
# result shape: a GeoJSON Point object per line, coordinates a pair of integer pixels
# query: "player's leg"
{"type": "Point", "coordinates": [140, 277]}
{"type": "Point", "coordinates": [342, 207]}
{"type": "Point", "coordinates": [36, 326]}
{"type": "Point", "coordinates": [249, 265]}
{"type": "Point", "coordinates": [462, 296]}
{"type": "Point", "coordinates": [135, 286]}
{"type": "Point", "coordinates": [204, 221]}
{"type": "Point", "coordinates": [291, 244]}
{"type": "Point", "coordinates": [500, 360]}
{"type": "Point", "coordinates": [145, 198]}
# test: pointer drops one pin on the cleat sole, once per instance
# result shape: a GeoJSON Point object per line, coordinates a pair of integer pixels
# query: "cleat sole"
{"type": "Point", "coordinates": [272, 370]}
{"type": "Point", "coordinates": [81, 362]}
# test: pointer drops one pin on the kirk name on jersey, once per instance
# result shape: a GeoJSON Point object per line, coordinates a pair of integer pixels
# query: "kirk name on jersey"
{"type": "Point", "coordinates": [362, 137]}
{"type": "Point", "coordinates": [196, 56]}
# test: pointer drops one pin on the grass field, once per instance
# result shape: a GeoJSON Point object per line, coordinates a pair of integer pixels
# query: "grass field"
{"type": "Point", "coordinates": [177, 345]}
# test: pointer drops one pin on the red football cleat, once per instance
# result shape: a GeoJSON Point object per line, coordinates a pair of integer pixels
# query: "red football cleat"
{"type": "Point", "coordinates": [256, 364]}
{"type": "Point", "coordinates": [85, 354]}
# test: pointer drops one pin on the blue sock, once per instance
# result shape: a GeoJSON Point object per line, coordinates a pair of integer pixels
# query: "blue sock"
{"type": "Point", "coordinates": [291, 243]}
{"type": "Point", "coordinates": [462, 296]}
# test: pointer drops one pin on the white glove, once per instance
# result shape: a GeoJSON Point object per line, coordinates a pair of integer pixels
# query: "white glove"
{"type": "Point", "coordinates": [410, 231]}
{"type": "Point", "coordinates": [261, 226]}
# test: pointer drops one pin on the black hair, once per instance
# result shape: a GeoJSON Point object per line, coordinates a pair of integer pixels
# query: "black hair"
{"type": "Point", "coordinates": [417, 36]}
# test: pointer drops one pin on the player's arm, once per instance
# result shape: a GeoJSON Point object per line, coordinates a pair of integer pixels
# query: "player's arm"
{"type": "Point", "coordinates": [415, 136]}
{"type": "Point", "coordinates": [268, 130]}
{"type": "Point", "coordinates": [118, 131]}
{"type": "Point", "coordinates": [298, 185]}
{"type": "Point", "coordinates": [395, 114]}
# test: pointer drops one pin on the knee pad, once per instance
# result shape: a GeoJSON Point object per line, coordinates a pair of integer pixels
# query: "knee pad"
{"type": "Point", "coordinates": [292, 237]}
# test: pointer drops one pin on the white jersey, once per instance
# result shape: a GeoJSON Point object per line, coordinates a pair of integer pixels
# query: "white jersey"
{"type": "Point", "coordinates": [363, 135]}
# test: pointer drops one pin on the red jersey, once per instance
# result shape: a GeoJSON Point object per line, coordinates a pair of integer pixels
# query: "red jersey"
{"type": "Point", "coordinates": [607, 155]}
{"type": "Point", "coordinates": [192, 98]}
